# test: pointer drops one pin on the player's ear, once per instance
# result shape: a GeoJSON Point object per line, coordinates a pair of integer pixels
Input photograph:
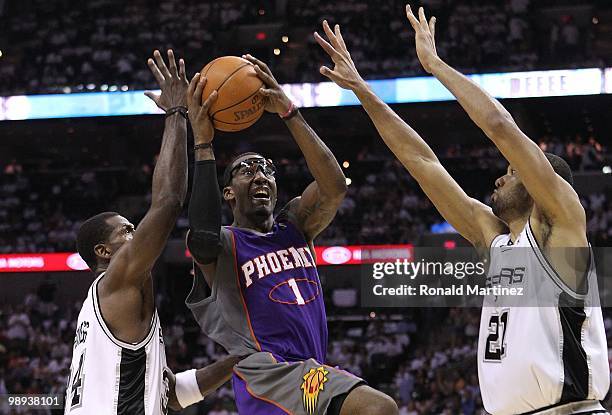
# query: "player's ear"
{"type": "Point", "coordinates": [102, 251]}
{"type": "Point", "coordinates": [228, 193]}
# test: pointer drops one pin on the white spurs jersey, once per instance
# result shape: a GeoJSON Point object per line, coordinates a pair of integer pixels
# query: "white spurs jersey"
{"type": "Point", "coordinates": [533, 355]}
{"type": "Point", "coordinates": [111, 377]}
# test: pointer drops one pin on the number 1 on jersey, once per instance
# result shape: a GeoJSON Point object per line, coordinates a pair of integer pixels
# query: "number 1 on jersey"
{"type": "Point", "coordinates": [296, 291]}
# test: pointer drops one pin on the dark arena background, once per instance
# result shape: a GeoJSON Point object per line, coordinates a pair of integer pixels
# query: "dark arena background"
{"type": "Point", "coordinates": [77, 137]}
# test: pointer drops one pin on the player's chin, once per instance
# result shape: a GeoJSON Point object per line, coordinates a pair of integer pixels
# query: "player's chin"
{"type": "Point", "coordinates": [497, 206]}
{"type": "Point", "coordinates": [260, 203]}
{"type": "Point", "coordinates": [262, 208]}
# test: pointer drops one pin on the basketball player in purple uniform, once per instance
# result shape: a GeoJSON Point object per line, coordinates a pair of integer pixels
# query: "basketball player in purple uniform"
{"type": "Point", "coordinates": [267, 301]}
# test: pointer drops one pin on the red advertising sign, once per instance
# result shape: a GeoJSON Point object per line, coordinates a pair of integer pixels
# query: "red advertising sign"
{"type": "Point", "coordinates": [362, 254]}
{"type": "Point", "coordinates": [326, 255]}
{"type": "Point", "coordinates": [65, 261]}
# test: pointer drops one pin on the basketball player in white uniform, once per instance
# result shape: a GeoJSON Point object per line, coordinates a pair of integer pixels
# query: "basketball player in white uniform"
{"type": "Point", "coordinates": [549, 358]}
{"type": "Point", "coordinates": [119, 363]}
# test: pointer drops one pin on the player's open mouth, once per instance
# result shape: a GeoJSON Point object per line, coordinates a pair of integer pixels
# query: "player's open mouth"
{"type": "Point", "coordinates": [261, 194]}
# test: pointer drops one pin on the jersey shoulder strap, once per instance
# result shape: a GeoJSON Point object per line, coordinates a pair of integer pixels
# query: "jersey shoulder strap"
{"type": "Point", "coordinates": [106, 329]}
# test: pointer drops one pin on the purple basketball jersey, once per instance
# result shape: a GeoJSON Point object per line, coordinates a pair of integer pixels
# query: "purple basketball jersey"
{"type": "Point", "coordinates": [282, 293]}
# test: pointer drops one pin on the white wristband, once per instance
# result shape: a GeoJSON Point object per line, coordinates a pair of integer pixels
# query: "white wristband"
{"type": "Point", "coordinates": [187, 389]}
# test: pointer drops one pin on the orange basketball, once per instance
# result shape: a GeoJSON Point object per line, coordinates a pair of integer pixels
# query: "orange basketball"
{"type": "Point", "coordinates": [239, 103]}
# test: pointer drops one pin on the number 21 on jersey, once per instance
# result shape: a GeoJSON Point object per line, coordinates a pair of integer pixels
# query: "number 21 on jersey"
{"type": "Point", "coordinates": [495, 346]}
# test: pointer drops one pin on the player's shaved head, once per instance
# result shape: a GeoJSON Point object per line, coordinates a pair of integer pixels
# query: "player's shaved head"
{"type": "Point", "coordinates": [95, 230]}
{"type": "Point", "coordinates": [561, 167]}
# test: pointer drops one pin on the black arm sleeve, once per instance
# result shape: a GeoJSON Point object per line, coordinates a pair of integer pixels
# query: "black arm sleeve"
{"type": "Point", "coordinates": [204, 240]}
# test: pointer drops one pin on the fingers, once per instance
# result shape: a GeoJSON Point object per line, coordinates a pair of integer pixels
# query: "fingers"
{"type": "Point", "coordinates": [257, 63]}
{"type": "Point", "coordinates": [432, 27]}
{"type": "Point", "coordinates": [339, 37]}
{"type": "Point", "coordinates": [155, 71]}
{"type": "Point", "coordinates": [161, 65]}
{"type": "Point", "coordinates": [192, 85]}
{"type": "Point", "coordinates": [172, 63]}
{"type": "Point", "coordinates": [328, 73]}
{"type": "Point", "coordinates": [194, 95]}
{"type": "Point", "coordinates": [330, 35]}
{"type": "Point", "coordinates": [326, 46]}
{"type": "Point", "coordinates": [267, 79]}
{"type": "Point", "coordinates": [422, 19]}
{"type": "Point", "coordinates": [182, 73]}
{"type": "Point", "coordinates": [212, 98]}
{"type": "Point", "coordinates": [266, 92]}
{"type": "Point", "coordinates": [411, 18]}
{"type": "Point", "coordinates": [197, 94]}
{"type": "Point", "coordinates": [152, 96]}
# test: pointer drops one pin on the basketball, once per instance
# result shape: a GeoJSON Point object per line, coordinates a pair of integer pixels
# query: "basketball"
{"type": "Point", "coordinates": [239, 103]}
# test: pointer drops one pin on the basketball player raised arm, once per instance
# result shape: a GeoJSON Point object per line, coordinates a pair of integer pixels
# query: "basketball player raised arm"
{"type": "Point", "coordinates": [473, 220]}
{"type": "Point", "coordinates": [318, 204]}
{"type": "Point", "coordinates": [126, 291]}
{"type": "Point", "coordinates": [557, 219]}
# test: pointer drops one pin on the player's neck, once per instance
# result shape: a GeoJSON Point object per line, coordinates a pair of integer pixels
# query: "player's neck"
{"type": "Point", "coordinates": [263, 226]}
{"type": "Point", "coordinates": [101, 268]}
{"type": "Point", "coordinates": [516, 226]}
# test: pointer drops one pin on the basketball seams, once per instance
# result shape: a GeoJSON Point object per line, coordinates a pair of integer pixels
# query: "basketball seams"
{"type": "Point", "coordinates": [229, 77]}
{"type": "Point", "coordinates": [234, 127]}
{"type": "Point", "coordinates": [210, 67]}
{"type": "Point", "coordinates": [233, 105]}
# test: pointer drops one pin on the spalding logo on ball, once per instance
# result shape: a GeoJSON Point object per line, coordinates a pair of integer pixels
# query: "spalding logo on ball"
{"type": "Point", "coordinates": [239, 103]}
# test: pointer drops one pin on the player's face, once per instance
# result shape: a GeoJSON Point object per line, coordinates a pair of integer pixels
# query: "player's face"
{"type": "Point", "coordinates": [509, 194]}
{"type": "Point", "coordinates": [123, 231]}
{"type": "Point", "coordinates": [253, 186]}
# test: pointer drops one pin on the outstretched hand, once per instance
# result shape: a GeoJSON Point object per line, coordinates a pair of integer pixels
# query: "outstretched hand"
{"type": "Point", "coordinates": [344, 74]}
{"type": "Point", "coordinates": [275, 100]}
{"type": "Point", "coordinates": [424, 37]}
{"type": "Point", "coordinates": [172, 81]}
{"type": "Point", "coordinates": [199, 117]}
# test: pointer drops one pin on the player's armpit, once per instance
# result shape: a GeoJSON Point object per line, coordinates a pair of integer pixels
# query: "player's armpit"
{"type": "Point", "coordinates": [489, 225]}
{"type": "Point", "coordinates": [208, 271]}
{"type": "Point", "coordinates": [313, 212]}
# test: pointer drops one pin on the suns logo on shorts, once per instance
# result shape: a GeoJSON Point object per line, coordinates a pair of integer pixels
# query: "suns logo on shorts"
{"type": "Point", "coordinates": [313, 384]}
